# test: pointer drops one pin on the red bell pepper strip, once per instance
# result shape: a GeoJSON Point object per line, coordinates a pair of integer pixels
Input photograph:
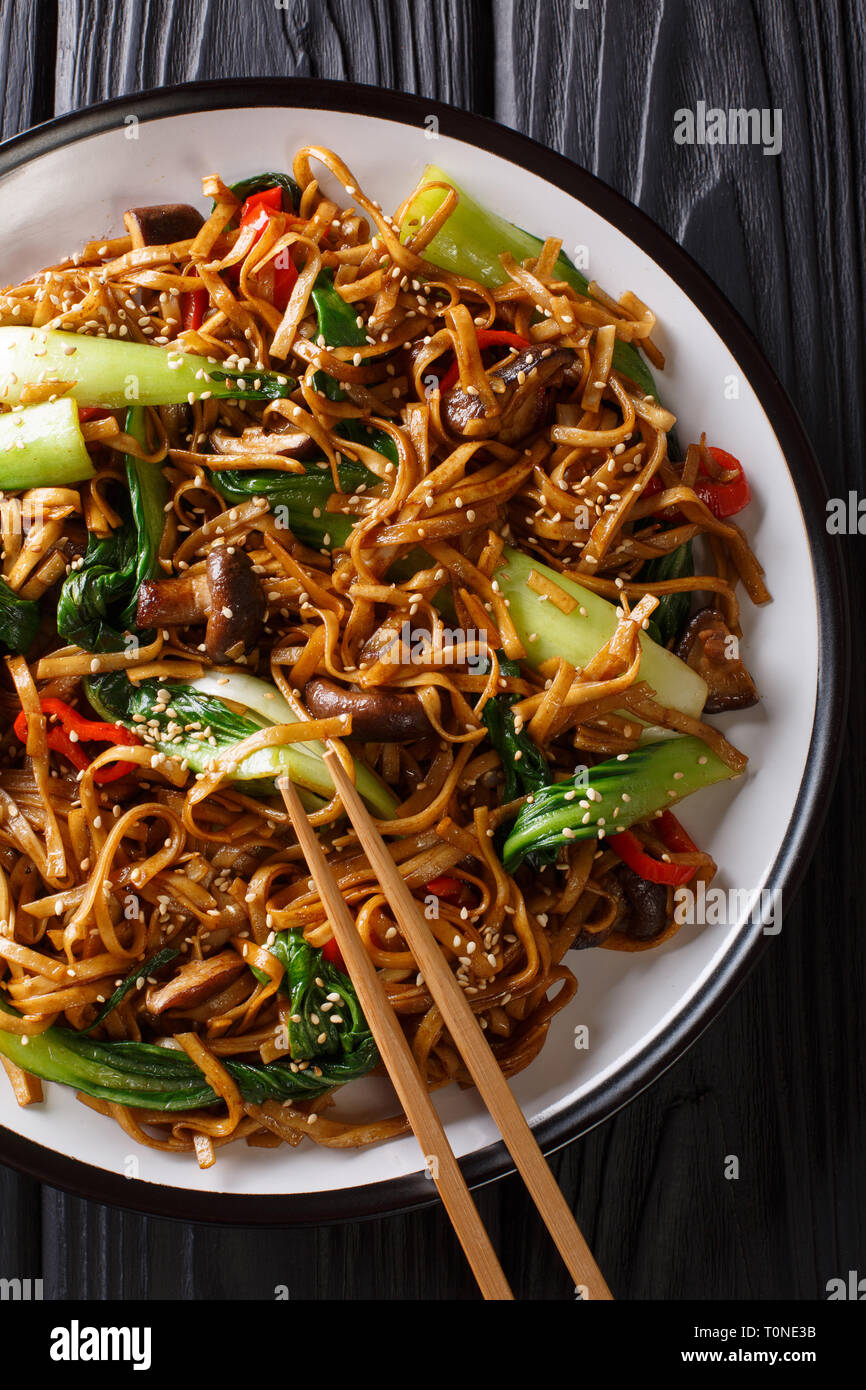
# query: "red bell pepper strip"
{"type": "Point", "coordinates": [59, 740]}
{"type": "Point", "coordinates": [723, 498]}
{"type": "Point", "coordinates": [280, 274]}
{"type": "Point", "coordinates": [92, 412]}
{"type": "Point", "coordinates": [193, 307]}
{"type": "Point", "coordinates": [654, 485]}
{"type": "Point", "coordinates": [487, 337]}
{"type": "Point", "coordinates": [672, 834]}
{"type": "Point", "coordinates": [632, 853]}
{"type": "Point", "coordinates": [268, 200]}
{"type": "Point", "coordinates": [445, 887]}
{"type": "Point", "coordinates": [332, 954]}
{"type": "Point", "coordinates": [285, 275]}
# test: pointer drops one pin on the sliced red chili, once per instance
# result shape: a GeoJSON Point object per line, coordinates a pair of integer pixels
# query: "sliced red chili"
{"type": "Point", "coordinates": [630, 850]}
{"type": "Point", "coordinates": [445, 887]}
{"type": "Point", "coordinates": [487, 337]}
{"type": "Point", "coordinates": [277, 278]}
{"type": "Point", "coordinates": [672, 834]}
{"type": "Point", "coordinates": [59, 740]}
{"type": "Point", "coordinates": [92, 412]}
{"type": "Point", "coordinates": [332, 954]}
{"type": "Point", "coordinates": [724, 497]}
{"type": "Point", "coordinates": [268, 200]}
{"type": "Point", "coordinates": [193, 307]}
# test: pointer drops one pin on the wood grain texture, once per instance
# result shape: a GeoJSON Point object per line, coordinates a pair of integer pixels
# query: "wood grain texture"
{"type": "Point", "coordinates": [775, 1081]}
{"type": "Point", "coordinates": [27, 33]}
{"type": "Point", "coordinates": [25, 99]}
{"type": "Point", "coordinates": [107, 49]}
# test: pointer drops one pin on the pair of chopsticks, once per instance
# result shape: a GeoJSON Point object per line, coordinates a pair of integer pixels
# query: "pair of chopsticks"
{"type": "Point", "coordinates": [468, 1038]}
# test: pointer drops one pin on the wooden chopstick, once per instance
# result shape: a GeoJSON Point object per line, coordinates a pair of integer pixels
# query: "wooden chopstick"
{"type": "Point", "coordinates": [472, 1045]}
{"type": "Point", "coordinates": [397, 1056]}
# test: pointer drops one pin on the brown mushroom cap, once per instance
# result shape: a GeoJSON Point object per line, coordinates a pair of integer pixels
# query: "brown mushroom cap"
{"type": "Point", "coordinates": [194, 982]}
{"type": "Point", "coordinates": [228, 594]}
{"type": "Point", "coordinates": [237, 603]}
{"type": "Point", "coordinates": [648, 902]}
{"type": "Point", "coordinates": [378, 716]}
{"type": "Point", "coordinates": [704, 646]}
{"type": "Point", "coordinates": [162, 224]}
{"type": "Point", "coordinates": [521, 402]}
{"type": "Point", "coordinates": [642, 909]}
{"type": "Point", "coordinates": [266, 444]}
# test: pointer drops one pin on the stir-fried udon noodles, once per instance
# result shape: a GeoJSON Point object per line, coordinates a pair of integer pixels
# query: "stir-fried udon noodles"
{"type": "Point", "coordinates": [416, 497]}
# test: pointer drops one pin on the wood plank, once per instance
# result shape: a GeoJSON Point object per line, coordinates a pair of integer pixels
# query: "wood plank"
{"type": "Point", "coordinates": [27, 48]}
{"type": "Point", "coordinates": [106, 51]}
{"type": "Point", "coordinates": [21, 1225]}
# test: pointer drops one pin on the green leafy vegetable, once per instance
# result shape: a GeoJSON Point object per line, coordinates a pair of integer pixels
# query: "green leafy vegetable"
{"type": "Point", "coordinates": [198, 713]}
{"type": "Point", "coordinates": [300, 500]}
{"type": "Point", "coordinates": [93, 606]}
{"type": "Point", "coordinates": [147, 967]}
{"type": "Point", "coordinates": [337, 321]}
{"type": "Point", "coordinates": [618, 793]}
{"type": "Point", "coordinates": [301, 496]}
{"type": "Point", "coordinates": [164, 1078]}
{"type": "Point", "coordinates": [672, 613]}
{"type": "Point", "coordinates": [338, 325]}
{"type": "Point", "coordinates": [358, 432]}
{"type": "Point", "coordinates": [320, 1026]}
{"type": "Point", "coordinates": [97, 603]}
{"type": "Point", "coordinates": [522, 760]}
{"type": "Point", "coordinates": [19, 620]}
{"type": "Point", "coordinates": [160, 1078]}
{"type": "Point", "coordinates": [577, 635]}
{"type": "Point", "coordinates": [259, 182]}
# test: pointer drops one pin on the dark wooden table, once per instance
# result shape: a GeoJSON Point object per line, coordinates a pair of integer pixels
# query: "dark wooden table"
{"type": "Point", "coordinates": [777, 1080]}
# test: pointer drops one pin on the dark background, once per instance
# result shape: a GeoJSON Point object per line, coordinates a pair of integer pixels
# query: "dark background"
{"type": "Point", "coordinates": [776, 1081]}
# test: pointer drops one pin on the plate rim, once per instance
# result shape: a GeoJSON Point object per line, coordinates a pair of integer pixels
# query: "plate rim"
{"type": "Point", "coordinates": [413, 1191]}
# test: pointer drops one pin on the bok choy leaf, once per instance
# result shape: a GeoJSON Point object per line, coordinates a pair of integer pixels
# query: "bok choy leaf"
{"type": "Point", "coordinates": [617, 794]}
{"type": "Point", "coordinates": [197, 724]}
{"type": "Point", "coordinates": [97, 602]}
{"type": "Point", "coordinates": [163, 1078]}
{"type": "Point", "coordinates": [19, 620]}
{"type": "Point", "coordinates": [42, 446]}
{"type": "Point", "coordinates": [319, 1026]}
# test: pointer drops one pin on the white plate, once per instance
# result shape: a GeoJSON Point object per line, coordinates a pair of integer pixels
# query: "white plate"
{"type": "Point", "coordinates": [71, 181]}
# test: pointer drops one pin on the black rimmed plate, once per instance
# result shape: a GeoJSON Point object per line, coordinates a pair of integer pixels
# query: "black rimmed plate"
{"type": "Point", "coordinates": [70, 180]}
